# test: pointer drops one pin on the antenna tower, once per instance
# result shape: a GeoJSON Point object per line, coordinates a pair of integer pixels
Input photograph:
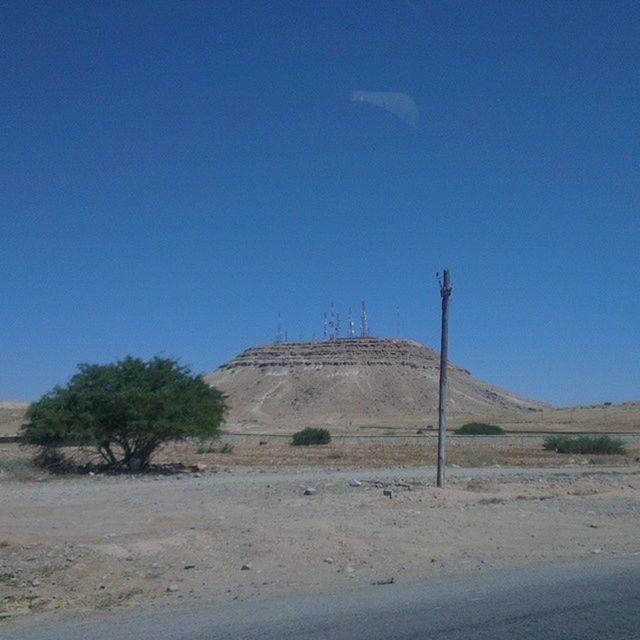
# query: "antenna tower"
{"type": "Point", "coordinates": [364, 324]}
{"type": "Point", "coordinates": [332, 323]}
{"type": "Point", "coordinates": [352, 328]}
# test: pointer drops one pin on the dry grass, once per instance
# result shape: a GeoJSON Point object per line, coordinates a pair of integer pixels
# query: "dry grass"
{"type": "Point", "coordinates": [278, 454]}
{"type": "Point", "coordinates": [18, 468]}
{"type": "Point", "coordinates": [590, 419]}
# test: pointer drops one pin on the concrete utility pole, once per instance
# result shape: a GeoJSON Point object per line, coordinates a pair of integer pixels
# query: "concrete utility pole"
{"type": "Point", "coordinates": [445, 293]}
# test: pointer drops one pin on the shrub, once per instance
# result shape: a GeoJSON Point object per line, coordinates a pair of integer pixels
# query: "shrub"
{"type": "Point", "coordinates": [125, 411]}
{"type": "Point", "coordinates": [585, 444]}
{"type": "Point", "coordinates": [311, 435]}
{"type": "Point", "coordinates": [18, 469]}
{"type": "Point", "coordinates": [479, 429]}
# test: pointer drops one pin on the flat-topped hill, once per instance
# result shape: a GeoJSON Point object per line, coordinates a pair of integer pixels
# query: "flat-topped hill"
{"type": "Point", "coordinates": [351, 381]}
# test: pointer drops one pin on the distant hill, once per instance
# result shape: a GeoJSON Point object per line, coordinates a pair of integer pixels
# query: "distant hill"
{"type": "Point", "coordinates": [11, 416]}
{"type": "Point", "coordinates": [13, 405]}
{"type": "Point", "coordinates": [352, 381]}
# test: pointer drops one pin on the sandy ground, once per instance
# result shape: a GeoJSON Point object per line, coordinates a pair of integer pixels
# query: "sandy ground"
{"type": "Point", "coordinates": [241, 527]}
{"type": "Point", "coordinates": [621, 418]}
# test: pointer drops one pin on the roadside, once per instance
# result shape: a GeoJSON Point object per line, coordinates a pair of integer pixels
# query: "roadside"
{"type": "Point", "coordinates": [101, 542]}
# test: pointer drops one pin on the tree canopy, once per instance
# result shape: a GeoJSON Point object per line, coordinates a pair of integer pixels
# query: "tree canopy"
{"type": "Point", "coordinates": [126, 410]}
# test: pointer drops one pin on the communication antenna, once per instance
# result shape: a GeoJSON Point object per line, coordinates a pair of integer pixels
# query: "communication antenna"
{"type": "Point", "coordinates": [279, 331]}
{"type": "Point", "coordinates": [332, 323]}
{"type": "Point", "coordinates": [325, 325]}
{"type": "Point", "coordinates": [352, 328]}
{"type": "Point", "coordinates": [337, 326]}
{"type": "Point", "coordinates": [398, 321]}
{"type": "Point", "coordinates": [364, 324]}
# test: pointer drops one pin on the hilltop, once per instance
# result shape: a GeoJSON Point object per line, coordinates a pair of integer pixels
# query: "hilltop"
{"type": "Point", "coordinates": [352, 382]}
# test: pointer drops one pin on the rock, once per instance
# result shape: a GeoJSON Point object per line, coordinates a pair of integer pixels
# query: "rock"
{"type": "Point", "coordinates": [596, 551]}
{"type": "Point", "coordinates": [355, 483]}
{"type": "Point", "coordinates": [263, 442]}
{"type": "Point", "coordinates": [329, 560]}
{"type": "Point", "coordinates": [35, 582]}
{"type": "Point", "coordinates": [246, 567]}
{"type": "Point", "coordinates": [384, 581]}
{"type": "Point", "coordinates": [189, 566]}
{"type": "Point", "coordinates": [172, 588]}
{"type": "Point", "coordinates": [199, 467]}
{"type": "Point", "coordinates": [388, 492]}
{"type": "Point", "coordinates": [310, 491]}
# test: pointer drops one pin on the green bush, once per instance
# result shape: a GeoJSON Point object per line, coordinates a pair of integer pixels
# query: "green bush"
{"type": "Point", "coordinates": [311, 435]}
{"type": "Point", "coordinates": [479, 429]}
{"type": "Point", "coordinates": [585, 444]}
{"type": "Point", "coordinates": [125, 411]}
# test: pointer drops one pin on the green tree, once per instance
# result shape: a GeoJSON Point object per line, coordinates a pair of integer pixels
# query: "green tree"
{"type": "Point", "coordinates": [126, 410]}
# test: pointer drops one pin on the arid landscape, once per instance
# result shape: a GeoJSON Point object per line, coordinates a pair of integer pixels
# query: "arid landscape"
{"type": "Point", "coordinates": [224, 534]}
{"type": "Point", "coordinates": [250, 516]}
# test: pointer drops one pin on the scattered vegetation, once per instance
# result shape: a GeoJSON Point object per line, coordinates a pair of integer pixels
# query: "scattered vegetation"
{"type": "Point", "coordinates": [227, 447]}
{"type": "Point", "coordinates": [585, 444]}
{"type": "Point", "coordinates": [479, 429]}
{"type": "Point", "coordinates": [423, 430]}
{"type": "Point", "coordinates": [125, 411]}
{"type": "Point", "coordinates": [19, 469]}
{"type": "Point", "coordinates": [311, 435]}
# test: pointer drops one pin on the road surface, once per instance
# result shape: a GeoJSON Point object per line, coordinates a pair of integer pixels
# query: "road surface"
{"type": "Point", "coordinates": [597, 600]}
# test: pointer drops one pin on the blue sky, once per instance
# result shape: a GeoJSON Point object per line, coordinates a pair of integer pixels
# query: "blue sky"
{"type": "Point", "coordinates": [175, 174]}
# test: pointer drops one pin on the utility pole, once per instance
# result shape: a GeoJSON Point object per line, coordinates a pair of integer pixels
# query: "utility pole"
{"type": "Point", "coordinates": [445, 293]}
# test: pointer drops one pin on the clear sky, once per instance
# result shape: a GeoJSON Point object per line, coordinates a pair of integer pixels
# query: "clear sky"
{"type": "Point", "coordinates": [175, 174]}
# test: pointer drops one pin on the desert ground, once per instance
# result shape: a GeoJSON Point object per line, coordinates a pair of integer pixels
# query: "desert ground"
{"type": "Point", "coordinates": [596, 418]}
{"type": "Point", "coordinates": [230, 520]}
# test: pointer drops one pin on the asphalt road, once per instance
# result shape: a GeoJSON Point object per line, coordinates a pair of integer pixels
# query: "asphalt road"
{"type": "Point", "coordinates": [599, 600]}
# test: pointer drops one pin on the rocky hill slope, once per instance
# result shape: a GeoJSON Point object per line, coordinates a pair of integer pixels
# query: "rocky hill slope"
{"type": "Point", "coordinates": [351, 381]}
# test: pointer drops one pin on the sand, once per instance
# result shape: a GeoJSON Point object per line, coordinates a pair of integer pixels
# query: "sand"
{"type": "Point", "coordinates": [97, 542]}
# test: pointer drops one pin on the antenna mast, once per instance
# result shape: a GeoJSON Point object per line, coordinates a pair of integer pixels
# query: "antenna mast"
{"type": "Point", "coordinates": [364, 325]}
{"type": "Point", "coordinates": [334, 321]}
